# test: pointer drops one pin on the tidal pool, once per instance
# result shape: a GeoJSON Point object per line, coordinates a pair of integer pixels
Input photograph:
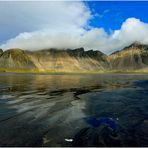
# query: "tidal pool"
{"type": "Point", "coordinates": [53, 110]}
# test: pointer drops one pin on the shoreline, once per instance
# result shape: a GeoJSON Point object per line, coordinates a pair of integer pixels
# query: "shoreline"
{"type": "Point", "coordinates": [72, 72]}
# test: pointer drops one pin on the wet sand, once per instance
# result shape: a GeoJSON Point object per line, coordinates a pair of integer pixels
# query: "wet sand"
{"type": "Point", "coordinates": [45, 110]}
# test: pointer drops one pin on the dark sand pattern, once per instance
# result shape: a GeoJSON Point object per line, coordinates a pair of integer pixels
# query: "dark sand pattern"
{"type": "Point", "coordinates": [49, 110]}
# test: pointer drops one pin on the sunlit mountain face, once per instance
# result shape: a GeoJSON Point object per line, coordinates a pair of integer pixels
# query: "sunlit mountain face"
{"type": "Point", "coordinates": [133, 58]}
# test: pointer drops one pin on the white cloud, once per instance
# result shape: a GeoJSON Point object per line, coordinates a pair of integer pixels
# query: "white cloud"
{"type": "Point", "coordinates": [45, 39]}
{"type": "Point", "coordinates": [54, 16]}
{"type": "Point", "coordinates": [131, 30]}
{"type": "Point", "coordinates": [63, 25]}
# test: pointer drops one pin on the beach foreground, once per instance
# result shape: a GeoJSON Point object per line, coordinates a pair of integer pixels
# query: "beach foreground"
{"type": "Point", "coordinates": [51, 110]}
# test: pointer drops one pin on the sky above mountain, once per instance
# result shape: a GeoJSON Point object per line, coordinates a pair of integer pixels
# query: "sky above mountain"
{"type": "Point", "coordinates": [98, 25]}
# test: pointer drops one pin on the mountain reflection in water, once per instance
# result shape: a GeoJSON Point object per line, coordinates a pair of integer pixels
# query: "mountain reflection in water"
{"type": "Point", "coordinates": [50, 110]}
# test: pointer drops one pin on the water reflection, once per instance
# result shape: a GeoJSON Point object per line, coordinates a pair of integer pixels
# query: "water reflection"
{"type": "Point", "coordinates": [44, 110]}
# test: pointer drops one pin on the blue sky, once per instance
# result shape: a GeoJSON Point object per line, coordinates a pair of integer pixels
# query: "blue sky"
{"type": "Point", "coordinates": [99, 25]}
{"type": "Point", "coordinates": [111, 14]}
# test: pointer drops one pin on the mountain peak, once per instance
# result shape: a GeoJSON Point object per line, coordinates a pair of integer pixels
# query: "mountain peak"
{"type": "Point", "coordinates": [136, 43]}
{"type": "Point", "coordinates": [14, 50]}
{"type": "Point", "coordinates": [79, 50]}
{"type": "Point", "coordinates": [1, 51]}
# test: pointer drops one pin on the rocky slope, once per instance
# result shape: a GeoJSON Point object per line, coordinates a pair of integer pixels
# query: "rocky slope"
{"type": "Point", "coordinates": [54, 60]}
{"type": "Point", "coordinates": [131, 58]}
{"type": "Point", "coordinates": [1, 51]}
{"type": "Point", "coordinates": [15, 59]}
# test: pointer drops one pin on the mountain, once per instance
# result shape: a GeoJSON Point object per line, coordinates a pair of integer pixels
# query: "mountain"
{"type": "Point", "coordinates": [68, 60]}
{"type": "Point", "coordinates": [1, 51]}
{"type": "Point", "coordinates": [15, 59]}
{"type": "Point", "coordinates": [131, 58]}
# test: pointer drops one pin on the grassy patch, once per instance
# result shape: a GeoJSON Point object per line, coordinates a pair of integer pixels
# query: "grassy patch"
{"type": "Point", "coordinates": [70, 72]}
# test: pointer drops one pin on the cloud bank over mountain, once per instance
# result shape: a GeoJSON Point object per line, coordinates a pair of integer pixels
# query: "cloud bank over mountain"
{"type": "Point", "coordinates": [64, 25]}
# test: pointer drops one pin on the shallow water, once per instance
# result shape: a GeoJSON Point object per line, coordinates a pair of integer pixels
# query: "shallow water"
{"type": "Point", "coordinates": [49, 110]}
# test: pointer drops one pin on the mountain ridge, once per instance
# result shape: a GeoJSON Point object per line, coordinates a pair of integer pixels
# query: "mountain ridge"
{"type": "Point", "coordinates": [131, 58]}
{"type": "Point", "coordinates": [54, 60]}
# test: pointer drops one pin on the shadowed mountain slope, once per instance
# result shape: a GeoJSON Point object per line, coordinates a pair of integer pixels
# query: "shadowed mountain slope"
{"type": "Point", "coordinates": [54, 60]}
